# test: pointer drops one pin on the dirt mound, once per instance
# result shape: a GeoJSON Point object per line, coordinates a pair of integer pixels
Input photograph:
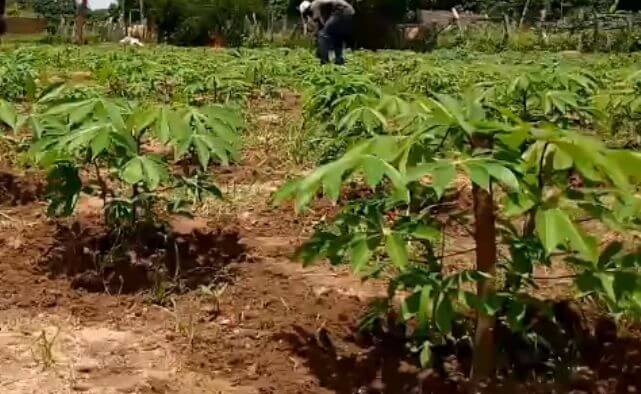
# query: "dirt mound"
{"type": "Point", "coordinates": [98, 260]}
{"type": "Point", "coordinates": [19, 189]}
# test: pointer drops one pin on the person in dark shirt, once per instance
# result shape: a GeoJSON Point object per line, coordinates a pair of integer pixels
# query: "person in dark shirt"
{"type": "Point", "coordinates": [334, 19]}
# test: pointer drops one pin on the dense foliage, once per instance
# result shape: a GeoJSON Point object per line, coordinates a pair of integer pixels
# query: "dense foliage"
{"type": "Point", "coordinates": [54, 9]}
{"type": "Point", "coordinates": [197, 22]}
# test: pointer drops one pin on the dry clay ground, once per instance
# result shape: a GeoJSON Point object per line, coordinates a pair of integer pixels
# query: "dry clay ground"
{"type": "Point", "coordinates": [274, 328]}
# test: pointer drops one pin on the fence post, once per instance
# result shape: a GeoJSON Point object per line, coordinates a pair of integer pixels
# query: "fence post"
{"type": "Point", "coordinates": [524, 13]}
{"type": "Point", "coordinates": [595, 38]}
{"type": "Point", "coordinates": [506, 26]}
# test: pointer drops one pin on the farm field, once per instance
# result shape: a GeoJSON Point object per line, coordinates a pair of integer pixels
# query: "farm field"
{"type": "Point", "coordinates": [151, 204]}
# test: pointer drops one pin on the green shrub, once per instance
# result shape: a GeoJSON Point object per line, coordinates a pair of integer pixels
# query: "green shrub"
{"type": "Point", "coordinates": [197, 22]}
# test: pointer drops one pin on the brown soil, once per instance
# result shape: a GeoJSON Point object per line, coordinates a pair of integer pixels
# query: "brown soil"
{"type": "Point", "coordinates": [270, 327]}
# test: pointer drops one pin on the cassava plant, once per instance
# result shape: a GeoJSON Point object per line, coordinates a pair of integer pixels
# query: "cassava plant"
{"type": "Point", "coordinates": [552, 93]}
{"type": "Point", "coordinates": [621, 109]}
{"type": "Point", "coordinates": [331, 98]}
{"type": "Point", "coordinates": [532, 187]}
{"type": "Point", "coordinates": [117, 151]}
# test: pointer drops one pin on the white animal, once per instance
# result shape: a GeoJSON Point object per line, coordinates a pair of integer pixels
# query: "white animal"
{"type": "Point", "coordinates": [131, 41]}
{"type": "Point", "coordinates": [138, 31]}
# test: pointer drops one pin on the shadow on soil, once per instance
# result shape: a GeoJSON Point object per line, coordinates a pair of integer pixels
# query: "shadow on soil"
{"type": "Point", "coordinates": [382, 368]}
{"type": "Point", "coordinates": [605, 363]}
{"type": "Point", "coordinates": [97, 260]}
{"type": "Point", "coordinates": [19, 190]}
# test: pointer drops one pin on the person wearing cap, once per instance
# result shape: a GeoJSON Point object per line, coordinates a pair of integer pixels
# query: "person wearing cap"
{"type": "Point", "coordinates": [334, 21]}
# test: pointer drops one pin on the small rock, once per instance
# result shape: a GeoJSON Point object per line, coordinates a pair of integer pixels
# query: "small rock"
{"type": "Point", "coordinates": [81, 387]}
{"type": "Point", "coordinates": [269, 118]}
{"type": "Point", "coordinates": [321, 291]}
{"type": "Point", "coordinates": [87, 365]}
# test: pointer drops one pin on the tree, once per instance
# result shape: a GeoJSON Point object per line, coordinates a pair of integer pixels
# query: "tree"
{"type": "Point", "coordinates": [196, 22]}
{"type": "Point", "coordinates": [3, 21]}
{"type": "Point", "coordinates": [54, 9]}
{"type": "Point", "coordinates": [80, 22]}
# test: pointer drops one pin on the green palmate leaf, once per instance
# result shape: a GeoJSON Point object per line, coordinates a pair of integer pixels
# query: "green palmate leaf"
{"type": "Point", "coordinates": [515, 136]}
{"type": "Point", "coordinates": [332, 184]}
{"type": "Point", "coordinates": [114, 114]}
{"type": "Point", "coordinates": [210, 138]}
{"type": "Point", "coordinates": [154, 170]}
{"type": "Point", "coordinates": [425, 308]}
{"type": "Point", "coordinates": [448, 111]}
{"type": "Point", "coordinates": [397, 250]}
{"type": "Point", "coordinates": [584, 158]}
{"type": "Point", "coordinates": [51, 92]}
{"type": "Point", "coordinates": [370, 118]}
{"type": "Point", "coordinates": [561, 101]}
{"type": "Point", "coordinates": [374, 169]}
{"type": "Point", "coordinates": [68, 108]}
{"type": "Point", "coordinates": [100, 143]}
{"type": "Point", "coordinates": [607, 283]}
{"type": "Point", "coordinates": [163, 126]}
{"type": "Point", "coordinates": [287, 191]}
{"type": "Point", "coordinates": [80, 113]}
{"type": "Point", "coordinates": [561, 161]}
{"type": "Point", "coordinates": [385, 147]}
{"type": "Point", "coordinates": [478, 174]}
{"type": "Point", "coordinates": [393, 106]}
{"type": "Point", "coordinates": [395, 177]}
{"type": "Point", "coordinates": [426, 233]}
{"type": "Point", "coordinates": [144, 169]}
{"type": "Point", "coordinates": [143, 118]}
{"type": "Point", "coordinates": [555, 228]}
{"type": "Point", "coordinates": [443, 175]}
{"type": "Point", "coordinates": [8, 115]}
{"type": "Point", "coordinates": [202, 151]}
{"type": "Point", "coordinates": [444, 314]}
{"type": "Point", "coordinates": [503, 175]}
{"type": "Point", "coordinates": [426, 355]}
{"type": "Point", "coordinates": [628, 161]}
{"type": "Point", "coordinates": [132, 171]}
{"type": "Point", "coordinates": [125, 141]}
{"type": "Point", "coordinates": [224, 131]}
{"type": "Point", "coordinates": [229, 115]}
{"type": "Point", "coordinates": [81, 138]}
{"type": "Point", "coordinates": [360, 255]}
{"type": "Point", "coordinates": [516, 204]}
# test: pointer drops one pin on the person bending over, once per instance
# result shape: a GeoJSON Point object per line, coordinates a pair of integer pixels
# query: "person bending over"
{"type": "Point", "coordinates": [333, 19]}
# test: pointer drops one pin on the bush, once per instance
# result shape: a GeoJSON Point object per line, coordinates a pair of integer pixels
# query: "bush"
{"type": "Point", "coordinates": [198, 22]}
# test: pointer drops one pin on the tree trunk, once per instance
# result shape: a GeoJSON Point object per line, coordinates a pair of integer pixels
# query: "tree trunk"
{"type": "Point", "coordinates": [3, 22]}
{"type": "Point", "coordinates": [526, 8]}
{"type": "Point", "coordinates": [483, 363]}
{"type": "Point", "coordinates": [80, 22]}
